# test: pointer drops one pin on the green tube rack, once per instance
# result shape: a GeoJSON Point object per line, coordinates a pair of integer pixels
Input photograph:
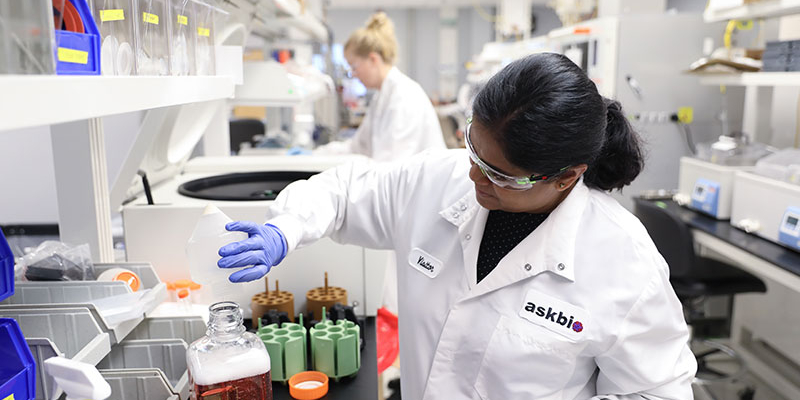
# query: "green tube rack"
{"type": "Point", "coordinates": [286, 345]}
{"type": "Point", "coordinates": [335, 348]}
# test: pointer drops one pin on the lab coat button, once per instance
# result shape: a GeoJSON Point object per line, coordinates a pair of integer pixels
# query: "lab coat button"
{"type": "Point", "coordinates": [528, 267]}
{"type": "Point", "coordinates": [468, 237]}
{"type": "Point", "coordinates": [455, 215]}
{"type": "Point", "coordinates": [463, 207]}
{"type": "Point", "coordinates": [561, 266]}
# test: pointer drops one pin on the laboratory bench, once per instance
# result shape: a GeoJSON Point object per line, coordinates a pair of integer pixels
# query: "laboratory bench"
{"type": "Point", "coordinates": [765, 329]}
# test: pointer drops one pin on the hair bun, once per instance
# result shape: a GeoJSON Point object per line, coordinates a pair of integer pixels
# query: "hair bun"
{"type": "Point", "coordinates": [377, 21]}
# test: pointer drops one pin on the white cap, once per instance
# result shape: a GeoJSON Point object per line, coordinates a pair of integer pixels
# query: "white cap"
{"type": "Point", "coordinates": [78, 380]}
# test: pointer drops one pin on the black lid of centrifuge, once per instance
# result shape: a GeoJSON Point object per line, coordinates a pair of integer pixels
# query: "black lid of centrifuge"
{"type": "Point", "coordinates": [247, 186]}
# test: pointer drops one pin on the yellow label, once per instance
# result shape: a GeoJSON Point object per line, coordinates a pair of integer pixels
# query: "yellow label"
{"type": "Point", "coordinates": [72, 56]}
{"type": "Point", "coordinates": [111, 15]}
{"type": "Point", "coordinates": [204, 32]}
{"type": "Point", "coordinates": [686, 115]}
{"type": "Point", "coordinates": [10, 397]}
{"type": "Point", "coordinates": [183, 20]}
{"type": "Point", "coordinates": [150, 18]}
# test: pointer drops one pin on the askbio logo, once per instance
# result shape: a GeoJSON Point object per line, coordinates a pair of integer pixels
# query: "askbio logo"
{"type": "Point", "coordinates": [554, 316]}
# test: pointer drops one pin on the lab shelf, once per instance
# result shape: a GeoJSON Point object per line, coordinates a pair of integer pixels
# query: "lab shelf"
{"type": "Point", "coordinates": [148, 367]}
{"type": "Point", "coordinates": [752, 79]}
{"type": "Point", "coordinates": [43, 100]}
{"type": "Point", "coordinates": [762, 9]}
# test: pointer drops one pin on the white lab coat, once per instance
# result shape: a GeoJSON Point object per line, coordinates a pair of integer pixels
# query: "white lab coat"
{"type": "Point", "coordinates": [590, 260]}
{"type": "Point", "coordinates": [400, 121]}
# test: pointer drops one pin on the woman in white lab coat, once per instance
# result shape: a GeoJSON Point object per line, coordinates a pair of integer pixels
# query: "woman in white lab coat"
{"type": "Point", "coordinates": [527, 280]}
{"type": "Point", "coordinates": [400, 120]}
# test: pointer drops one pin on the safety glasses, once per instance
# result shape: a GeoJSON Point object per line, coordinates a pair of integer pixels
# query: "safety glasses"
{"type": "Point", "coordinates": [500, 179]}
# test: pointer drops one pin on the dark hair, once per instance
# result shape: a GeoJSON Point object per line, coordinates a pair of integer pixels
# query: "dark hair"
{"type": "Point", "coordinates": [547, 114]}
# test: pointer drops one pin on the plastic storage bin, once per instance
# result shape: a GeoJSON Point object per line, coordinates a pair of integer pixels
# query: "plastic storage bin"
{"type": "Point", "coordinates": [165, 357]}
{"type": "Point", "coordinates": [26, 37]}
{"type": "Point", "coordinates": [6, 268]}
{"type": "Point", "coordinates": [783, 166]}
{"type": "Point", "coordinates": [116, 20]}
{"type": "Point", "coordinates": [183, 38]}
{"type": "Point", "coordinates": [18, 370]}
{"type": "Point", "coordinates": [206, 30]}
{"type": "Point", "coordinates": [78, 53]}
{"type": "Point", "coordinates": [152, 37]}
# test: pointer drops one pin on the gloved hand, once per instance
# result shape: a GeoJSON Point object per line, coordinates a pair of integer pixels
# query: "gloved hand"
{"type": "Point", "coordinates": [297, 150]}
{"type": "Point", "coordinates": [265, 248]}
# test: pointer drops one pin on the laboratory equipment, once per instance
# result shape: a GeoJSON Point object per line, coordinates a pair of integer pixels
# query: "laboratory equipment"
{"type": "Point", "coordinates": [610, 50]}
{"type": "Point", "coordinates": [116, 21]}
{"type": "Point", "coordinates": [79, 380]}
{"type": "Point", "coordinates": [152, 40]}
{"type": "Point", "coordinates": [229, 359]}
{"type": "Point", "coordinates": [27, 37]}
{"type": "Point", "coordinates": [202, 250]}
{"type": "Point", "coordinates": [271, 300]}
{"type": "Point", "coordinates": [184, 28]}
{"type": "Point", "coordinates": [308, 385]}
{"type": "Point", "coordinates": [707, 187]}
{"type": "Point", "coordinates": [766, 200]}
{"type": "Point", "coordinates": [324, 297]}
{"type": "Point", "coordinates": [335, 347]}
{"type": "Point", "coordinates": [286, 345]}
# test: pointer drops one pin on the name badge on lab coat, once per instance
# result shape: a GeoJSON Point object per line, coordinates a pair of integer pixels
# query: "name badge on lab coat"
{"type": "Point", "coordinates": [424, 262]}
{"type": "Point", "coordinates": [556, 315]}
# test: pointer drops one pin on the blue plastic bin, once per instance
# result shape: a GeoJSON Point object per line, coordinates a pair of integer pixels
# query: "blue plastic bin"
{"type": "Point", "coordinates": [17, 368]}
{"type": "Point", "coordinates": [79, 53]}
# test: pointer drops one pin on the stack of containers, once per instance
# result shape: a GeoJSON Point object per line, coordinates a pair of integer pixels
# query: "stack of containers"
{"type": "Point", "coordinates": [156, 37]}
{"type": "Point", "coordinates": [206, 31]}
{"type": "Point", "coordinates": [18, 370]}
{"type": "Point", "coordinates": [27, 37]}
{"type": "Point", "coordinates": [77, 40]}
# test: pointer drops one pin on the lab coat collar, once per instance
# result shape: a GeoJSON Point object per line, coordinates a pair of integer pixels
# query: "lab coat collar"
{"type": "Point", "coordinates": [551, 247]}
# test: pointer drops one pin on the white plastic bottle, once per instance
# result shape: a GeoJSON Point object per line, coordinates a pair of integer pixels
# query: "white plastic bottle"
{"type": "Point", "coordinates": [229, 362]}
{"type": "Point", "coordinates": [203, 250]}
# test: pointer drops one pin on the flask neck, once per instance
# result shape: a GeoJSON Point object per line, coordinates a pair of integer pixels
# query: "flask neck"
{"type": "Point", "coordinates": [225, 321]}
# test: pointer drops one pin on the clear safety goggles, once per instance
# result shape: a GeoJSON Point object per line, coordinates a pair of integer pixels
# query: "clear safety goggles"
{"type": "Point", "coordinates": [500, 179]}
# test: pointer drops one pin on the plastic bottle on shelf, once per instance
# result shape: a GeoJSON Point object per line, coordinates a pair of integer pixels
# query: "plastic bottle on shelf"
{"type": "Point", "coordinates": [229, 360]}
{"type": "Point", "coordinates": [203, 250]}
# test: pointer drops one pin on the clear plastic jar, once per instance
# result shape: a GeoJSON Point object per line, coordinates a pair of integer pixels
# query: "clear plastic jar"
{"type": "Point", "coordinates": [229, 362]}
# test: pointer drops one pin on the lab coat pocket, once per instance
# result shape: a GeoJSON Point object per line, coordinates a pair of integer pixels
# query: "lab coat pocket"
{"type": "Point", "coordinates": [526, 361]}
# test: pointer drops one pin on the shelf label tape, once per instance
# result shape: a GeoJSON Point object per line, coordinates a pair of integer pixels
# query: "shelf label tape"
{"type": "Point", "coordinates": [112, 15]}
{"type": "Point", "coordinates": [73, 56]}
{"type": "Point", "coordinates": [150, 18]}
{"type": "Point", "coordinates": [204, 32]}
{"type": "Point", "coordinates": [183, 20]}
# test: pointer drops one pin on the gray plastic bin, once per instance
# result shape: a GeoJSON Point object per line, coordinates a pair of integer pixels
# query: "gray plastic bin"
{"type": "Point", "coordinates": [139, 384]}
{"type": "Point", "coordinates": [165, 355]}
{"type": "Point", "coordinates": [187, 328]}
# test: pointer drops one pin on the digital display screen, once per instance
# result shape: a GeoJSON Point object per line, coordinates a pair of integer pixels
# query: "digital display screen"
{"type": "Point", "coordinates": [791, 221]}
{"type": "Point", "coordinates": [698, 190]}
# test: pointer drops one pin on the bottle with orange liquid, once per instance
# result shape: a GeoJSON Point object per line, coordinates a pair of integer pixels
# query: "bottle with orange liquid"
{"type": "Point", "coordinates": [229, 363]}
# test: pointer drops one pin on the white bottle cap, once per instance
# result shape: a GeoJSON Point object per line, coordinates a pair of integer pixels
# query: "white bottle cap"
{"type": "Point", "coordinates": [78, 380]}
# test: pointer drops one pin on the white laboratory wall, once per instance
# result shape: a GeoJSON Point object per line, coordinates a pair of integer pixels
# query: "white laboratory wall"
{"type": "Point", "coordinates": [28, 179]}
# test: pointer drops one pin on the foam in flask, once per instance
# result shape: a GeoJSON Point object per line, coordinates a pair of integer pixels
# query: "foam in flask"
{"type": "Point", "coordinates": [229, 362]}
{"type": "Point", "coordinates": [203, 250]}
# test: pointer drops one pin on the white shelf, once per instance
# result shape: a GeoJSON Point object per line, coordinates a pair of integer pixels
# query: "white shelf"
{"type": "Point", "coordinates": [763, 9]}
{"type": "Point", "coordinates": [28, 101]}
{"type": "Point", "coordinates": [753, 79]}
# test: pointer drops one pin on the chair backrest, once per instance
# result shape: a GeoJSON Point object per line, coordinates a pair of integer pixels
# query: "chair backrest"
{"type": "Point", "coordinates": [671, 235]}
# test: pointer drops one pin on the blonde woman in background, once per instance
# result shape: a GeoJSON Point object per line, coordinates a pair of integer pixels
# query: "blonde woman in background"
{"type": "Point", "coordinates": [400, 120]}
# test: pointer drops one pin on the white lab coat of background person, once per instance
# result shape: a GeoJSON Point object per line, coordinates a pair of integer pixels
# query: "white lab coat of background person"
{"type": "Point", "coordinates": [590, 261]}
{"type": "Point", "coordinates": [400, 121]}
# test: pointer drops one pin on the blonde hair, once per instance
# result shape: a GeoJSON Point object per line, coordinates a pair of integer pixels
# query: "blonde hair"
{"type": "Point", "coordinates": [377, 36]}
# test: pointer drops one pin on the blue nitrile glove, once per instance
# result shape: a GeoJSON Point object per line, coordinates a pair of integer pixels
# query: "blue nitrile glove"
{"type": "Point", "coordinates": [297, 150]}
{"type": "Point", "coordinates": [265, 248]}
